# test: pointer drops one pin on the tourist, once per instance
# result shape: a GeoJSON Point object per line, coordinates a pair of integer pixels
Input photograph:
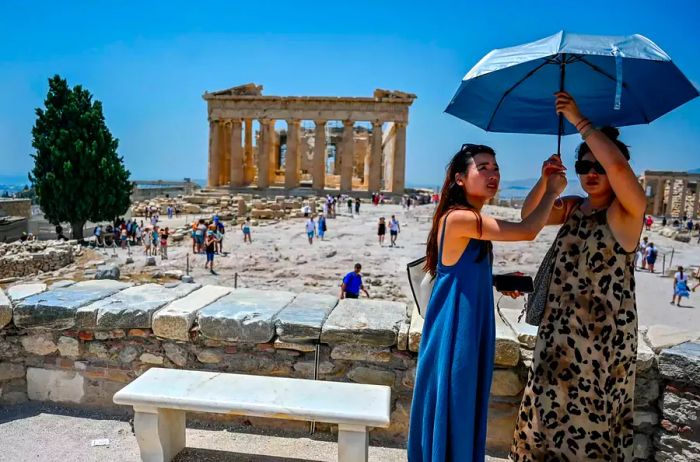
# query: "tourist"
{"type": "Point", "coordinates": [306, 210]}
{"type": "Point", "coordinates": [200, 233]}
{"type": "Point", "coordinates": [642, 253]}
{"type": "Point", "coordinates": [455, 365]}
{"type": "Point", "coordinates": [59, 233]}
{"type": "Point", "coordinates": [664, 221]}
{"type": "Point", "coordinates": [210, 248]}
{"type": "Point", "coordinates": [193, 235]}
{"type": "Point", "coordinates": [123, 236]}
{"type": "Point", "coordinates": [147, 241]}
{"type": "Point", "coordinates": [689, 226]}
{"type": "Point", "coordinates": [652, 253]}
{"type": "Point", "coordinates": [137, 234]}
{"type": "Point", "coordinates": [220, 232]}
{"type": "Point", "coordinates": [357, 205]}
{"type": "Point", "coordinates": [648, 222]}
{"type": "Point", "coordinates": [164, 234]}
{"type": "Point", "coordinates": [98, 234]}
{"type": "Point", "coordinates": [322, 228]}
{"type": "Point", "coordinates": [352, 284]}
{"type": "Point", "coordinates": [245, 227]}
{"type": "Point", "coordinates": [578, 403]}
{"type": "Point", "coordinates": [350, 205]}
{"type": "Point", "coordinates": [155, 238]}
{"type": "Point", "coordinates": [394, 230]}
{"type": "Point", "coordinates": [381, 231]}
{"type": "Point", "coordinates": [310, 229]}
{"type": "Point", "coordinates": [680, 286]}
{"type": "Point", "coordinates": [170, 212]}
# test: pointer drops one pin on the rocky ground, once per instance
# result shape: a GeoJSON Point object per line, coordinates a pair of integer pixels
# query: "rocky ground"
{"type": "Point", "coordinates": [281, 257]}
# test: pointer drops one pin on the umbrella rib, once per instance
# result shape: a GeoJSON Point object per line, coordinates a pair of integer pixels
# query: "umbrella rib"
{"type": "Point", "coordinates": [624, 85]}
{"type": "Point", "coordinates": [507, 92]}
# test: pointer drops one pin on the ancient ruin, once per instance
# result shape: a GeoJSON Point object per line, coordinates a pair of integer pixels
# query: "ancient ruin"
{"type": "Point", "coordinates": [326, 156]}
{"type": "Point", "coordinates": [672, 194]}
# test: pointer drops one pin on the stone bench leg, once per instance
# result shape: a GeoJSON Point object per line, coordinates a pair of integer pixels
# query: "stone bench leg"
{"type": "Point", "coordinates": [353, 443]}
{"type": "Point", "coordinates": [159, 432]}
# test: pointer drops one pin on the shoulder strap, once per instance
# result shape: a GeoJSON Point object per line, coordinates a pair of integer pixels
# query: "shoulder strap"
{"type": "Point", "coordinates": [442, 235]}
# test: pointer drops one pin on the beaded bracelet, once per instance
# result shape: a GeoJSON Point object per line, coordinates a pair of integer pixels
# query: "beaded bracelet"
{"type": "Point", "coordinates": [580, 121]}
{"type": "Point", "coordinates": [588, 132]}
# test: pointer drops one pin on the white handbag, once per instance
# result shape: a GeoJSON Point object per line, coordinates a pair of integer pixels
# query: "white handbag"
{"type": "Point", "coordinates": [421, 284]}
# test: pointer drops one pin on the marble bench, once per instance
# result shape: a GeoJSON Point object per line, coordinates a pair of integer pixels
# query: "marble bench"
{"type": "Point", "coordinates": [160, 398]}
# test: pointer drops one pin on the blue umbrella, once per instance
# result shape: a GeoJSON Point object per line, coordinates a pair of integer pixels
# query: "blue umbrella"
{"type": "Point", "coordinates": [616, 80]}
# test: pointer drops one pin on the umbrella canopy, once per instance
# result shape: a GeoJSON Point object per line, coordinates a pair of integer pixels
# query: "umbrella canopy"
{"type": "Point", "coordinates": [616, 80]}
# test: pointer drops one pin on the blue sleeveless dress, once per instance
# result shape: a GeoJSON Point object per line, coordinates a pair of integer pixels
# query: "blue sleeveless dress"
{"type": "Point", "coordinates": [455, 363]}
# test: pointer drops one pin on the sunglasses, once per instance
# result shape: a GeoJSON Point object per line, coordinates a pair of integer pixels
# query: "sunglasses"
{"type": "Point", "coordinates": [474, 148]}
{"type": "Point", "coordinates": [584, 167]}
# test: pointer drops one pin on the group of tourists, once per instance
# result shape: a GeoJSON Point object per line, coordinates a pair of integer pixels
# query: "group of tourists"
{"type": "Point", "coordinates": [646, 255]}
{"type": "Point", "coordinates": [314, 229]}
{"type": "Point", "coordinates": [578, 402]}
{"type": "Point", "coordinates": [208, 238]}
{"type": "Point", "coordinates": [394, 230]}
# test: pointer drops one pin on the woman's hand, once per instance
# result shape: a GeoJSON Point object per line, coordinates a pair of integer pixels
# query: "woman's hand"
{"type": "Point", "coordinates": [513, 293]}
{"type": "Point", "coordinates": [556, 183]}
{"type": "Point", "coordinates": [552, 165]}
{"type": "Point", "coordinates": [566, 105]}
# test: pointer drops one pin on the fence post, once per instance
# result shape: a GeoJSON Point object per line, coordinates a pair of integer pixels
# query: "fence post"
{"type": "Point", "coordinates": [187, 270]}
{"type": "Point", "coordinates": [235, 280]}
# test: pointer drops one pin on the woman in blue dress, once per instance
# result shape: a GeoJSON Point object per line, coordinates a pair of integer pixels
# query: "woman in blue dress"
{"type": "Point", "coordinates": [455, 362]}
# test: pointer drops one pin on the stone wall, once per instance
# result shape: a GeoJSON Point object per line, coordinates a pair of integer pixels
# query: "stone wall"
{"type": "Point", "coordinates": [20, 259]}
{"type": "Point", "coordinates": [16, 207]}
{"type": "Point", "coordinates": [81, 342]}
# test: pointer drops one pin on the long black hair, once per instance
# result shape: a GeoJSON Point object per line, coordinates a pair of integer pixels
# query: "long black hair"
{"type": "Point", "coordinates": [452, 196]}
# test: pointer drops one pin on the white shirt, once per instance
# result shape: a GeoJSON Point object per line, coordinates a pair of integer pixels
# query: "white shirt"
{"type": "Point", "coordinates": [678, 278]}
{"type": "Point", "coordinates": [393, 225]}
{"type": "Point", "coordinates": [310, 226]}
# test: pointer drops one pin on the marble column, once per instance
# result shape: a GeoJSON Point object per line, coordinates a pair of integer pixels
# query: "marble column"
{"type": "Point", "coordinates": [249, 167]}
{"type": "Point", "coordinates": [237, 175]}
{"type": "Point", "coordinates": [669, 204]}
{"type": "Point", "coordinates": [348, 155]}
{"type": "Point", "coordinates": [272, 152]}
{"type": "Point", "coordinates": [319, 170]}
{"type": "Point", "coordinates": [213, 177]}
{"type": "Point", "coordinates": [264, 154]}
{"type": "Point", "coordinates": [291, 159]}
{"type": "Point", "coordinates": [696, 202]}
{"type": "Point", "coordinates": [684, 194]}
{"type": "Point", "coordinates": [399, 165]}
{"type": "Point", "coordinates": [225, 166]}
{"type": "Point", "coordinates": [659, 195]}
{"type": "Point", "coordinates": [375, 158]}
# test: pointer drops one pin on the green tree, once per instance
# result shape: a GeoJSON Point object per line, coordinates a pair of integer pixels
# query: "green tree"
{"type": "Point", "coordinates": [78, 175]}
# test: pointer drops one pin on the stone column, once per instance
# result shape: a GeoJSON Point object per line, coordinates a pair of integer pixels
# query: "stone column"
{"type": "Point", "coordinates": [264, 154]}
{"type": "Point", "coordinates": [249, 168]}
{"type": "Point", "coordinates": [669, 205]}
{"type": "Point", "coordinates": [348, 155]}
{"type": "Point", "coordinates": [684, 193]}
{"type": "Point", "coordinates": [659, 195]}
{"type": "Point", "coordinates": [213, 178]}
{"type": "Point", "coordinates": [291, 159]}
{"type": "Point", "coordinates": [225, 166]}
{"type": "Point", "coordinates": [272, 151]}
{"type": "Point", "coordinates": [375, 158]}
{"type": "Point", "coordinates": [399, 165]}
{"type": "Point", "coordinates": [696, 202]}
{"type": "Point", "coordinates": [237, 175]}
{"type": "Point", "coordinates": [319, 170]}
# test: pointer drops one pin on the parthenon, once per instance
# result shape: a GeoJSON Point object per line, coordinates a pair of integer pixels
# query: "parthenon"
{"type": "Point", "coordinates": [672, 194]}
{"type": "Point", "coordinates": [327, 156]}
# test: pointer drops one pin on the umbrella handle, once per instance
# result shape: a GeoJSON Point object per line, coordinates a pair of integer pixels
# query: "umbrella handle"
{"type": "Point", "coordinates": [562, 76]}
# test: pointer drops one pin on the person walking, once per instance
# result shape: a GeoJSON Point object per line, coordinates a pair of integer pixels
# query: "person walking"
{"type": "Point", "coordinates": [381, 231]}
{"type": "Point", "coordinates": [652, 253]}
{"type": "Point", "coordinates": [648, 222]}
{"type": "Point", "coordinates": [394, 230]}
{"type": "Point", "coordinates": [164, 235]}
{"type": "Point", "coordinates": [449, 410]}
{"type": "Point", "coordinates": [322, 227]}
{"type": "Point", "coordinates": [352, 284]}
{"type": "Point", "coordinates": [357, 205]}
{"type": "Point", "coordinates": [680, 286]}
{"type": "Point", "coordinates": [245, 227]}
{"type": "Point", "coordinates": [642, 253]}
{"type": "Point", "coordinates": [220, 233]}
{"type": "Point", "coordinates": [350, 205]}
{"type": "Point", "coordinates": [155, 238]}
{"type": "Point", "coordinates": [310, 229]}
{"type": "Point", "coordinates": [210, 248]}
{"type": "Point", "coordinates": [578, 402]}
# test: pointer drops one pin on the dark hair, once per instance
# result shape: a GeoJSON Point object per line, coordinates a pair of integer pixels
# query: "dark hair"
{"type": "Point", "coordinates": [452, 197]}
{"type": "Point", "coordinates": [358, 266]}
{"type": "Point", "coordinates": [612, 133]}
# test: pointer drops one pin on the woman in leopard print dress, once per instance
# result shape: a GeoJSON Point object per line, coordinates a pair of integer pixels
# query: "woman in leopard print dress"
{"type": "Point", "coordinates": [579, 398]}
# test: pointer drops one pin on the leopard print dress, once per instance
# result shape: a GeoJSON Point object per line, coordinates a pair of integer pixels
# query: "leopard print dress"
{"type": "Point", "coordinates": [579, 398]}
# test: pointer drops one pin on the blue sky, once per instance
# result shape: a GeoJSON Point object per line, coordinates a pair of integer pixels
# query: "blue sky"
{"type": "Point", "coordinates": [150, 62]}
